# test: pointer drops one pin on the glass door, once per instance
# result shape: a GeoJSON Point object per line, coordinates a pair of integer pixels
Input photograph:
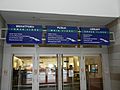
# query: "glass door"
{"type": "Point", "coordinates": [71, 72]}
{"type": "Point", "coordinates": [22, 73]}
{"type": "Point", "coordinates": [62, 72]}
{"type": "Point", "coordinates": [48, 73]}
{"type": "Point", "coordinates": [94, 78]}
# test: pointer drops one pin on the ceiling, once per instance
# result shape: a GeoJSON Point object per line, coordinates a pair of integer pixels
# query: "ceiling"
{"type": "Point", "coordinates": [53, 19]}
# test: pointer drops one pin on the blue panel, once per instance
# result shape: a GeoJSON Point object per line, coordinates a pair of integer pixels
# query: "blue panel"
{"type": "Point", "coordinates": [97, 36]}
{"type": "Point", "coordinates": [62, 35]}
{"type": "Point", "coordinates": [24, 34]}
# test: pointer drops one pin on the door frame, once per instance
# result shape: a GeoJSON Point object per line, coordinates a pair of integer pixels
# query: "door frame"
{"type": "Point", "coordinates": [40, 55]}
{"type": "Point", "coordinates": [7, 64]}
{"type": "Point", "coordinates": [33, 68]}
{"type": "Point", "coordinates": [9, 51]}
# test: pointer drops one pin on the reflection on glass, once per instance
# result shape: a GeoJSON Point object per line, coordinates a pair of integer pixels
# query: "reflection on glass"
{"type": "Point", "coordinates": [94, 73]}
{"type": "Point", "coordinates": [22, 73]}
{"type": "Point", "coordinates": [93, 68]}
{"type": "Point", "coordinates": [47, 72]}
{"type": "Point", "coordinates": [71, 79]}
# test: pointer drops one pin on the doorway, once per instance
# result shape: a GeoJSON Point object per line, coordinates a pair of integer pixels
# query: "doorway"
{"type": "Point", "coordinates": [57, 72]}
{"type": "Point", "coordinates": [93, 67]}
{"type": "Point", "coordinates": [22, 72]}
{"type": "Point", "coordinates": [71, 72]}
{"type": "Point", "coordinates": [48, 73]}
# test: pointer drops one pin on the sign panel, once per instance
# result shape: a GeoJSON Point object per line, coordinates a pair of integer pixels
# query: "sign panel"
{"type": "Point", "coordinates": [98, 36]}
{"type": "Point", "coordinates": [24, 34]}
{"type": "Point", "coordinates": [62, 35]}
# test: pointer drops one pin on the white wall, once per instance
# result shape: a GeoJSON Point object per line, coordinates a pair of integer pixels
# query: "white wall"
{"type": "Point", "coordinates": [1, 50]}
{"type": "Point", "coordinates": [119, 7]}
{"type": "Point", "coordinates": [0, 58]}
{"type": "Point", "coordinates": [108, 8]}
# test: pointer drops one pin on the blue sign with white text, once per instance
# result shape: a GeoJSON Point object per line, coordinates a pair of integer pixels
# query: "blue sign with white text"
{"type": "Point", "coordinates": [62, 35]}
{"type": "Point", "coordinates": [97, 36]}
{"type": "Point", "coordinates": [24, 34]}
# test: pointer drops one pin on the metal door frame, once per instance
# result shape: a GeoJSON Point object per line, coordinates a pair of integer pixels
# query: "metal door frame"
{"type": "Point", "coordinates": [39, 55]}
{"type": "Point", "coordinates": [7, 65]}
{"type": "Point", "coordinates": [9, 51]}
{"type": "Point", "coordinates": [33, 69]}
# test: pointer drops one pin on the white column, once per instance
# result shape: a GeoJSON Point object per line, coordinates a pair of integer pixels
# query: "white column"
{"type": "Point", "coordinates": [106, 72]}
{"type": "Point", "coordinates": [6, 68]}
{"type": "Point", "coordinates": [35, 82]}
{"type": "Point", "coordinates": [59, 59]}
{"type": "Point", "coordinates": [82, 73]}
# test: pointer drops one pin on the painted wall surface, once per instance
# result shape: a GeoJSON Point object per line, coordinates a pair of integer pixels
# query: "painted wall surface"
{"type": "Point", "coordinates": [1, 51]}
{"type": "Point", "coordinates": [114, 56]}
{"type": "Point", "coordinates": [0, 63]}
{"type": "Point", "coordinates": [119, 7]}
{"type": "Point", "coordinates": [1, 54]}
{"type": "Point", "coordinates": [106, 8]}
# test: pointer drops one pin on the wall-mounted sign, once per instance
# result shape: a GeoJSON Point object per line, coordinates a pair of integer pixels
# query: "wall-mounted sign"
{"type": "Point", "coordinates": [24, 34]}
{"type": "Point", "coordinates": [62, 35]}
{"type": "Point", "coordinates": [97, 36]}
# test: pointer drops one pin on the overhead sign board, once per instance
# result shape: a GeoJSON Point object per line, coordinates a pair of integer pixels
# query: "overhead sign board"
{"type": "Point", "coordinates": [97, 36]}
{"type": "Point", "coordinates": [24, 34]}
{"type": "Point", "coordinates": [61, 35]}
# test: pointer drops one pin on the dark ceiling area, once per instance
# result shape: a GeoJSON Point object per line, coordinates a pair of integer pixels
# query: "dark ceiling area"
{"type": "Point", "coordinates": [53, 19]}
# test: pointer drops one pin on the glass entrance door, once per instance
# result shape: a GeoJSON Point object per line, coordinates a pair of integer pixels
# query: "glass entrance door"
{"type": "Point", "coordinates": [94, 78]}
{"type": "Point", "coordinates": [59, 72]}
{"type": "Point", "coordinates": [48, 73]}
{"type": "Point", "coordinates": [71, 72]}
{"type": "Point", "coordinates": [22, 73]}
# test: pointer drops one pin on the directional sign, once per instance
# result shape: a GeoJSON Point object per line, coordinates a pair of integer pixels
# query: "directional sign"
{"type": "Point", "coordinates": [24, 34]}
{"type": "Point", "coordinates": [97, 36]}
{"type": "Point", "coordinates": [62, 35]}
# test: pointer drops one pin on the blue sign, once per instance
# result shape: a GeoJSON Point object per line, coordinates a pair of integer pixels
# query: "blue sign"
{"type": "Point", "coordinates": [24, 34]}
{"type": "Point", "coordinates": [62, 35]}
{"type": "Point", "coordinates": [97, 36]}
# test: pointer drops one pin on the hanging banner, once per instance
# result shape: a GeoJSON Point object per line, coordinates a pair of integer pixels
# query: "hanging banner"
{"type": "Point", "coordinates": [61, 35]}
{"type": "Point", "coordinates": [24, 34]}
{"type": "Point", "coordinates": [97, 36]}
